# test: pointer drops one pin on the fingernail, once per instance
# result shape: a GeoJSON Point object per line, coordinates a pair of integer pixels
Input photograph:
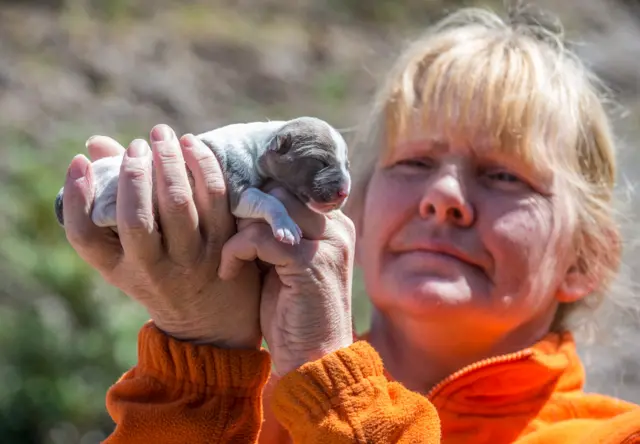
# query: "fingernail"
{"type": "Point", "coordinates": [161, 132]}
{"type": "Point", "coordinates": [137, 148]}
{"type": "Point", "coordinates": [188, 141]}
{"type": "Point", "coordinates": [78, 167]}
{"type": "Point", "coordinates": [89, 140]}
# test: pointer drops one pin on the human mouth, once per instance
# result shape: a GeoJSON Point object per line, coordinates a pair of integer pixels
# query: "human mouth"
{"type": "Point", "coordinates": [444, 251]}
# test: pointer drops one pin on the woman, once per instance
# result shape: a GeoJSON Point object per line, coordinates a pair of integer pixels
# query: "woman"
{"type": "Point", "coordinates": [482, 203]}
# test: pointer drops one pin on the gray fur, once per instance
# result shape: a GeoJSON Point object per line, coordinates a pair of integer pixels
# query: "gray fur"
{"type": "Point", "coordinates": [305, 155]}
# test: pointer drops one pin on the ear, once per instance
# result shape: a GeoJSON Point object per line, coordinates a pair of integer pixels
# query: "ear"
{"type": "Point", "coordinates": [582, 277]}
{"type": "Point", "coordinates": [280, 144]}
{"type": "Point", "coordinates": [576, 285]}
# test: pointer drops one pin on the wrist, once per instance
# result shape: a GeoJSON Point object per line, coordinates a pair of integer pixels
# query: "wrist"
{"type": "Point", "coordinates": [196, 335]}
{"type": "Point", "coordinates": [295, 360]}
{"type": "Point", "coordinates": [235, 372]}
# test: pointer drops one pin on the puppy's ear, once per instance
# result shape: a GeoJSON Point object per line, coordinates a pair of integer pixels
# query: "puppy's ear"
{"type": "Point", "coordinates": [281, 144]}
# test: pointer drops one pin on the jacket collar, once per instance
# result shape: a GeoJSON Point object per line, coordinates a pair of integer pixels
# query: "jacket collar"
{"type": "Point", "coordinates": [514, 382]}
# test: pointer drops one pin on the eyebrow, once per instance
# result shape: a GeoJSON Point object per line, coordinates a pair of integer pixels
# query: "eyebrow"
{"type": "Point", "coordinates": [512, 158]}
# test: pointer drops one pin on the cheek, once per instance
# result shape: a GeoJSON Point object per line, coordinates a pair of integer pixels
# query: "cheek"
{"type": "Point", "coordinates": [523, 241]}
{"type": "Point", "coordinates": [385, 207]}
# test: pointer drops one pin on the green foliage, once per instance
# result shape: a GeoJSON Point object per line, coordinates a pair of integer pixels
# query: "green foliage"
{"type": "Point", "coordinates": [62, 333]}
{"type": "Point", "coordinates": [332, 86]}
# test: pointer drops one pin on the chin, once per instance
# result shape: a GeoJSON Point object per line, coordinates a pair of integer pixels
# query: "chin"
{"type": "Point", "coordinates": [433, 295]}
{"type": "Point", "coordinates": [430, 292]}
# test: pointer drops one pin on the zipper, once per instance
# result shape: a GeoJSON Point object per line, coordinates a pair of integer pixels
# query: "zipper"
{"type": "Point", "coordinates": [502, 359]}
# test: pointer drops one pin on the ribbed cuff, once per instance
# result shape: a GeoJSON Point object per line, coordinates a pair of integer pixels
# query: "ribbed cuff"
{"type": "Point", "coordinates": [232, 372]}
{"type": "Point", "coordinates": [307, 393]}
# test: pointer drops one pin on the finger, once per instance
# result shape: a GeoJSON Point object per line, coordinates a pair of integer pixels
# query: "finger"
{"type": "Point", "coordinates": [257, 242]}
{"type": "Point", "coordinates": [242, 224]}
{"type": "Point", "coordinates": [210, 195]}
{"type": "Point", "coordinates": [99, 247]}
{"type": "Point", "coordinates": [245, 222]}
{"type": "Point", "coordinates": [312, 224]}
{"type": "Point", "coordinates": [102, 146]}
{"type": "Point", "coordinates": [134, 206]}
{"type": "Point", "coordinates": [176, 208]}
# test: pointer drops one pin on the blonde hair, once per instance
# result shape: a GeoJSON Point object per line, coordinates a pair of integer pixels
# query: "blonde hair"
{"type": "Point", "coordinates": [512, 84]}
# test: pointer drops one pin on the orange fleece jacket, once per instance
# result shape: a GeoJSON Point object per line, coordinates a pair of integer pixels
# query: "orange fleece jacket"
{"type": "Point", "coordinates": [182, 393]}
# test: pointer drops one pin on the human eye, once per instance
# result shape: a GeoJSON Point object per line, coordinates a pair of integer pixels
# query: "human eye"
{"type": "Point", "coordinates": [421, 163]}
{"type": "Point", "coordinates": [503, 176]}
{"type": "Point", "coordinates": [503, 179]}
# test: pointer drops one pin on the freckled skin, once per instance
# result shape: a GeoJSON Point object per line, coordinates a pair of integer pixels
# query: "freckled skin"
{"type": "Point", "coordinates": [508, 227]}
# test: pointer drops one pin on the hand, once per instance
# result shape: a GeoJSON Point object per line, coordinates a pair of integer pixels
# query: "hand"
{"type": "Point", "coordinates": [173, 274]}
{"type": "Point", "coordinates": [305, 310]}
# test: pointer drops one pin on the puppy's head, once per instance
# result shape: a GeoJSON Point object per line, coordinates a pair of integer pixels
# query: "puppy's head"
{"type": "Point", "coordinates": [309, 158]}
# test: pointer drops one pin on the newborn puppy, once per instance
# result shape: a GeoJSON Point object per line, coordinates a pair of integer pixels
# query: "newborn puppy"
{"type": "Point", "coordinates": [306, 155]}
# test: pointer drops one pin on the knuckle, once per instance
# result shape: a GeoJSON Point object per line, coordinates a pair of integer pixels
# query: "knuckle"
{"type": "Point", "coordinates": [177, 200]}
{"type": "Point", "coordinates": [168, 152]}
{"type": "Point", "coordinates": [134, 171]}
{"type": "Point", "coordinates": [345, 236]}
{"type": "Point", "coordinates": [214, 182]}
{"type": "Point", "coordinates": [345, 224]}
{"type": "Point", "coordinates": [138, 223]}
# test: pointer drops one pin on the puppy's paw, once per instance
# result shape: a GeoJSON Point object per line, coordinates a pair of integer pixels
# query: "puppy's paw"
{"type": "Point", "coordinates": [286, 230]}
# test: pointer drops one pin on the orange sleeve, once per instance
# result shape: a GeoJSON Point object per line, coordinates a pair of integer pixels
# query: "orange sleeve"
{"type": "Point", "coordinates": [620, 429]}
{"type": "Point", "coordinates": [344, 397]}
{"type": "Point", "coordinates": [624, 428]}
{"type": "Point", "coordinates": [181, 392]}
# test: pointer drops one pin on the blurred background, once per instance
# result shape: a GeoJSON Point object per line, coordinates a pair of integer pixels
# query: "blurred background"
{"type": "Point", "coordinates": [73, 68]}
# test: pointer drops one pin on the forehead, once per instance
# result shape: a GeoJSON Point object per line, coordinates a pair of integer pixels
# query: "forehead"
{"type": "Point", "coordinates": [314, 137]}
{"type": "Point", "coordinates": [489, 92]}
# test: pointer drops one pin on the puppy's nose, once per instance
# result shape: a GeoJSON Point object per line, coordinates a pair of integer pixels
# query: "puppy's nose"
{"type": "Point", "coordinates": [342, 193]}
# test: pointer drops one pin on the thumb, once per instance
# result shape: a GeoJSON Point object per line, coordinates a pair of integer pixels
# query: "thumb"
{"type": "Point", "coordinates": [94, 244]}
{"type": "Point", "coordinates": [103, 146]}
{"type": "Point", "coordinates": [256, 241]}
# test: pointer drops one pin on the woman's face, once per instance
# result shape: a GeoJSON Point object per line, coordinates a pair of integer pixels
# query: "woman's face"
{"type": "Point", "coordinates": [475, 237]}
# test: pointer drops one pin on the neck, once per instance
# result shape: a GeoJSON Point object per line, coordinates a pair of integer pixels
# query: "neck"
{"type": "Point", "coordinates": [419, 354]}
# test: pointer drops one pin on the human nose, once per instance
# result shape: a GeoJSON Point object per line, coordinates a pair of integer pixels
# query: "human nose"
{"type": "Point", "coordinates": [445, 200]}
